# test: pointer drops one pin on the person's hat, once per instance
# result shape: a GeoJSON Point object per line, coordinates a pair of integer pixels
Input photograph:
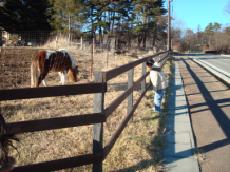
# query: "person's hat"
{"type": "Point", "coordinates": [150, 62]}
{"type": "Point", "coordinates": [156, 66]}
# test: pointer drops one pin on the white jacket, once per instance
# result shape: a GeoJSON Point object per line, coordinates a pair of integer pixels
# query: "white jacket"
{"type": "Point", "coordinates": [159, 80]}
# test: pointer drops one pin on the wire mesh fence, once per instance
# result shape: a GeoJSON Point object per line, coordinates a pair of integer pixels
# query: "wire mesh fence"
{"type": "Point", "coordinates": [16, 51]}
{"type": "Point", "coordinates": [15, 67]}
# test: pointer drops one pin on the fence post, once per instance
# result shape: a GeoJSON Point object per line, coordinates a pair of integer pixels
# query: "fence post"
{"type": "Point", "coordinates": [81, 42]}
{"type": "Point", "coordinates": [98, 107]}
{"type": "Point", "coordinates": [56, 42]}
{"type": "Point", "coordinates": [92, 56]}
{"type": "Point", "coordinates": [143, 83]}
{"type": "Point", "coordinates": [130, 84]}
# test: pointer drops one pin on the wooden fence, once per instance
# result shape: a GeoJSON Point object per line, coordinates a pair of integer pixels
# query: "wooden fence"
{"type": "Point", "coordinates": [99, 88]}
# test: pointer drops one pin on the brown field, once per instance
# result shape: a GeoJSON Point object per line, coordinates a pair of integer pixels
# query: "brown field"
{"type": "Point", "coordinates": [136, 148]}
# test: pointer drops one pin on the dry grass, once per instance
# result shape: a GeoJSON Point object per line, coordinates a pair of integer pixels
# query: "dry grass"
{"type": "Point", "coordinates": [134, 150]}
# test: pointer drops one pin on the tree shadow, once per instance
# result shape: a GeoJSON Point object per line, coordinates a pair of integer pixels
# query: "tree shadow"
{"type": "Point", "coordinates": [218, 113]}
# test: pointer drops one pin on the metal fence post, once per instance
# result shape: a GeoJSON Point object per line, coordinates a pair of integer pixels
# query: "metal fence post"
{"type": "Point", "coordinates": [130, 84]}
{"type": "Point", "coordinates": [98, 127]}
{"type": "Point", "coordinates": [143, 83]}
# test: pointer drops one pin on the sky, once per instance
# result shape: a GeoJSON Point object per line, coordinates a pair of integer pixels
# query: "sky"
{"type": "Point", "coordinates": [191, 13]}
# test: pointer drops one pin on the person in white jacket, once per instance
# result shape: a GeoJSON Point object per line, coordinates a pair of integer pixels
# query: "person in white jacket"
{"type": "Point", "coordinates": [159, 82]}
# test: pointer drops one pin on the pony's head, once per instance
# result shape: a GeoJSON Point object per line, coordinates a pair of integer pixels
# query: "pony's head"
{"type": "Point", "coordinates": [72, 74]}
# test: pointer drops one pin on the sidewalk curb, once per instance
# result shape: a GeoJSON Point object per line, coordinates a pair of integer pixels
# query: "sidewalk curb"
{"type": "Point", "coordinates": [225, 55]}
{"type": "Point", "coordinates": [180, 148]}
{"type": "Point", "coordinates": [214, 70]}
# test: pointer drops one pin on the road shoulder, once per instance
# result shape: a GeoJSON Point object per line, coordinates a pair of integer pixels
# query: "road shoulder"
{"type": "Point", "coordinates": [214, 70]}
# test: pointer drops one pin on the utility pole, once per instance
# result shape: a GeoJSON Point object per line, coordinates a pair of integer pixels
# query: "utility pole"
{"type": "Point", "coordinates": [169, 25]}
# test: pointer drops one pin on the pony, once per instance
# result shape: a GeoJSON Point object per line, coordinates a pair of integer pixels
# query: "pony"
{"type": "Point", "coordinates": [58, 61]}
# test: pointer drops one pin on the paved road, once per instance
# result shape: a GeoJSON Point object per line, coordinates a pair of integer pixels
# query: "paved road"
{"type": "Point", "coordinates": [209, 107]}
{"type": "Point", "coordinates": [221, 62]}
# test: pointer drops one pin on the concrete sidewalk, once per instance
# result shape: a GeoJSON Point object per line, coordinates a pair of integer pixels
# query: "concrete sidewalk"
{"type": "Point", "coordinates": [179, 152]}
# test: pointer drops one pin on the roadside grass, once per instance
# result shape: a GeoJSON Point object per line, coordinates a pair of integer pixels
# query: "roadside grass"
{"type": "Point", "coordinates": [158, 142]}
{"type": "Point", "coordinates": [141, 143]}
{"type": "Point", "coordinates": [137, 149]}
{"type": "Point", "coordinates": [130, 152]}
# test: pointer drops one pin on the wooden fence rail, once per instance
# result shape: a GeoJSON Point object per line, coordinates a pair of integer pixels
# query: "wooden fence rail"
{"type": "Point", "coordinates": [99, 88]}
{"type": "Point", "coordinates": [54, 123]}
{"type": "Point", "coordinates": [62, 90]}
{"type": "Point", "coordinates": [126, 67]}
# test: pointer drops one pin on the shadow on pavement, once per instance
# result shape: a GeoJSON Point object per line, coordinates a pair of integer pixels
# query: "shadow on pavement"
{"type": "Point", "coordinates": [218, 113]}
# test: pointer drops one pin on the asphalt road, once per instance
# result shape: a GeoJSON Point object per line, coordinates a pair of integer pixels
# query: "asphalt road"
{"type": "Point", "coordinates": [221, 62]}
{"type": "Point", "coordinates": [209, 107]}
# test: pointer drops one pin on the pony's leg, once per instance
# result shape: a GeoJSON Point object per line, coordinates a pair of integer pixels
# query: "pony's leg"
{"type": "Point", "coordinates": [62, 77]}
{"type": "Point", "coordinates": [41, 78]}
{"type": "Point", "coordinates": [44, 82]}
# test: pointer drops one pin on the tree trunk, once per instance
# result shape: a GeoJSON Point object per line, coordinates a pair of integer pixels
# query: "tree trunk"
{"type": "Point", "coordinates": [144, 40]}
{"type": "Point", "coordinates": [69, 28]}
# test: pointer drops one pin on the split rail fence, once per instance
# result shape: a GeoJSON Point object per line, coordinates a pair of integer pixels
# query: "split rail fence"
{"type": "Point", "coordinates": [99, 88]}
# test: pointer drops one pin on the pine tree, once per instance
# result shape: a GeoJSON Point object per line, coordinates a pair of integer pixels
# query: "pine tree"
{"type": "Point", "coordinates": [66, 15]}
{"type": "Point", "coordinates": [25, 15]}
{"type": "Point", "coordinates": [147, 13]}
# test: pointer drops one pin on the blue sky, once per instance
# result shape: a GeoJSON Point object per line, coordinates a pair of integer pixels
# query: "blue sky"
{"type": "Point", "coordinates": [191, 13]}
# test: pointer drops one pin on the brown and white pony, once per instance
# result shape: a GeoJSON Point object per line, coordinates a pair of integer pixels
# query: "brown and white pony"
{"type": "Point", "coordinates": [59, 61]}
